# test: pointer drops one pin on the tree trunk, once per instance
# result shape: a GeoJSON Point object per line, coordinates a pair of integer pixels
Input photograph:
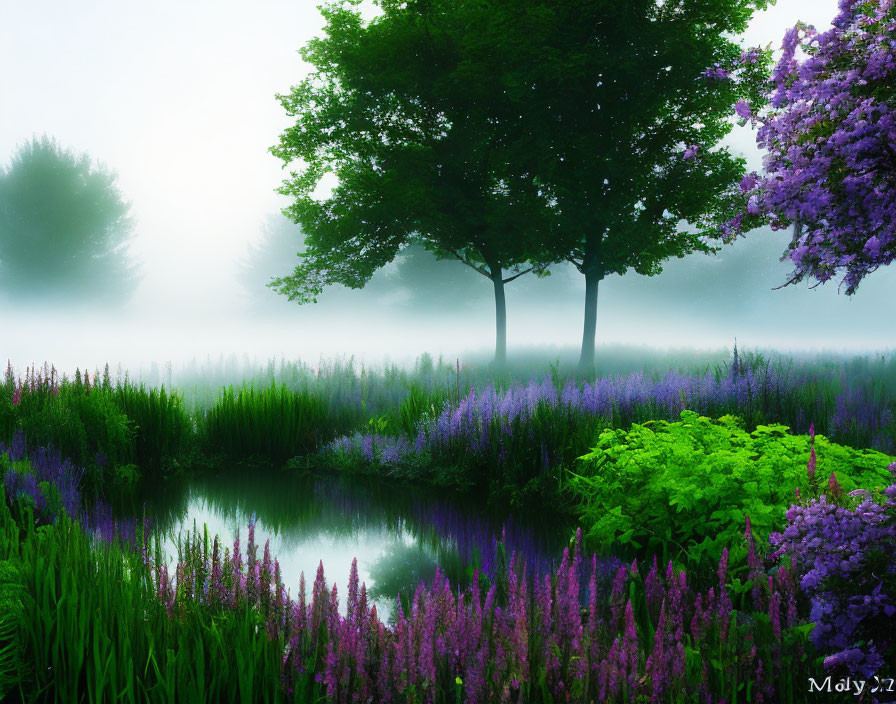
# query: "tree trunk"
{"type": "Point", "coordinates": [593, 275]}
{"type": "Point", "coordinates": [500, 316]}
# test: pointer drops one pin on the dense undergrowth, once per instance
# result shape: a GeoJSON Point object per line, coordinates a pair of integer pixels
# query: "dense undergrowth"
{"type": "Point", "coordinates": [461, 426]}
{"type": "Point", "coordinates": [93, 612]}
{"type": "Point", "coordinates": [91, 619]}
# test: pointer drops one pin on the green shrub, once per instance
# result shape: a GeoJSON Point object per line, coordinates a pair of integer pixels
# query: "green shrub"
{"type": "Point", "coordinates": [690, 484]}
{"type": "Point", "coordinates": [79, 422]}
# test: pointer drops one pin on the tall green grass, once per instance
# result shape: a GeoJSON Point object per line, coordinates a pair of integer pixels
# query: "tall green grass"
{"type": "Point", "coordinates": [274, 423]}
{"type": "Point", "coordinates": [93, 630]}
{"type": "Point", "coordinates": [162, 430]}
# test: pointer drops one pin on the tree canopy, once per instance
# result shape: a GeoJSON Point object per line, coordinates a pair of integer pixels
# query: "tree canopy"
{"type": "Point", "coordinates": [64, 227]}
{"type": "Point", "coordinates": [830, 139]}
{"type": "Point", "coordinates": [512, 135]}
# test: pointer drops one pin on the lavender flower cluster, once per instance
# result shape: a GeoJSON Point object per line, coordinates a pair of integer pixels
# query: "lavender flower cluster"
{"type": "Point", "coordinates": [847, 561]}
{"type": "Point", "coordinates": [51, 484]}
{"type": "Point", "coordinates": [489, 422]}
{"type": "Point", "coordinates": [46, 467]}
{"type": "Point", "coordinates": [495, 642]}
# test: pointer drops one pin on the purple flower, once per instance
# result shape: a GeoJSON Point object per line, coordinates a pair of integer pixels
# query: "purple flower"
{"type": "Point", "coordinates": [742, 108]}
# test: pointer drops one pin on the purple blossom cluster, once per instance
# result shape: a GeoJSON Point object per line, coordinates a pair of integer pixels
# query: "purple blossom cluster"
{"type": "Point", "coordinates": [847, 561]}
{"type": "Point", "coordinates": [830, 141]}
{"type": "Point", "coordinates": [382, 449]}
{"type": "Point", "coordinates": [482, 416]}
{"type": "Point", "coordinates": [498, 639]}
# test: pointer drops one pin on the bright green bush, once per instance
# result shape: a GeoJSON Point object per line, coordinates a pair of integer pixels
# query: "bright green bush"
{"type": "Point", "coordinates": [689, 485]}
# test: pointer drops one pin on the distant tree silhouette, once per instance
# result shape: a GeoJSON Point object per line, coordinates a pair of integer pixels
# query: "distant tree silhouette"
{"type": "Point", "coordinates": [64, 227]}
{"type": "Point", "coordinates": [272, 256]}
{"type": "Point", "coordinates": [415, 280]}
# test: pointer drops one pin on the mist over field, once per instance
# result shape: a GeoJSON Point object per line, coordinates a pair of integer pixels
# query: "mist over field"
{"type": "Point", "coordinates": [179, 102]}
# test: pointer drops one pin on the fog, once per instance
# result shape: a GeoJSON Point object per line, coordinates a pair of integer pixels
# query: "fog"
{"type": "Point", "coordinates": [178, 99]}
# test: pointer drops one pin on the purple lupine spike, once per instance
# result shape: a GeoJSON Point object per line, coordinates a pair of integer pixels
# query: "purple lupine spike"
{"type": "Point", "coordinates": [426, 664]}
{"type": "Point", "coordinates": [653, 588]}
{"type": "Point", "coordinates": [617, 600]}
{"type": "Point", "coordinates": [263, 573]}
{"type": "Point", "coordinates": [251, 548]}
{"type": "Point", "coordinates": [352, 597]}
{"type": "Point", "coordinates": [385, 675]}
{"type": "Point", "coordinates": [724, 613]}
{"type": "Point", "coordinates": [216, 587]}
{"type": "Point", "coordinates": [698, 620]}
{"type": "Point", "coordinates": [723, 568]}
{"type": "Point", "coordinates": [362, 615]}
{"type": "Point", "coordinates": [834, 486]}
{"type": "Point", "coordinates": [300, 610]}
{"type": "Point", "coordinates": [774, 610]}
{"type": "Point", "coordinates": [278, 607]}
{"type": "Point", "coordinates": [330, 677]}
{"type": "Point", "coordinates": [593, 646]}
{"type": "Point", "coordinates": [657, 662]}
{"type": "Point", "coordinates": [610, 673]}
{"type": "Point", "coordinates": [629, 654]}
{"type": "Point", "coordinates": [333, 614]}
{"type": "Point", "coordinates": [755, 565]}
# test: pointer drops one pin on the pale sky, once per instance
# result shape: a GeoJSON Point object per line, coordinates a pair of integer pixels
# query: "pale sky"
{"type": "Point", "coordinates": [178, 98]}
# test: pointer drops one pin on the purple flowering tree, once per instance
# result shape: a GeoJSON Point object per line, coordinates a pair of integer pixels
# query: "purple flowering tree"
{"type": "Point", "coordinates": [829, 133]}
{"type": "Point", "coordinates": [845, 557]}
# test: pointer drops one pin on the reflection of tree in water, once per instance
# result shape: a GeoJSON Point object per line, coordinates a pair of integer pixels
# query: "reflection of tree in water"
{"type": "Point", "coordinates": [443, 530]}
{"type": "Point", "coordinates": [400, 569]}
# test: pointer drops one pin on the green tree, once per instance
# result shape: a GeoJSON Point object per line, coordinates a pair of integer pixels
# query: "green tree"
{"type": "Point", "coordinates": [64, 227]}
{"type": "Point", "coordinates": [622, 106]}
{"type": "Point", "coordinates": [388, 111]}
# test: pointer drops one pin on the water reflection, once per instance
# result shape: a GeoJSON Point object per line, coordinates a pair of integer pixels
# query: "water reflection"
{"type": "Point", "coordinates": [398, 534]}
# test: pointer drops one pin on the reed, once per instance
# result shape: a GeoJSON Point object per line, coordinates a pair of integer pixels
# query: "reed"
{"type": "Point", "coordinates": [93, 629]}
{"type": "Point", "coordinates": [162, 429]}
{"type": "Point", "coordinates": [273, 423]}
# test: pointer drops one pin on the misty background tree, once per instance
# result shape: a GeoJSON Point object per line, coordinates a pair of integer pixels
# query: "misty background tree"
{"type": "Point", "coordinates": [414, 279]}
{"type": "Point", "coordinates": [64, 228]}
{"type": "Point", "coordinates": [388, 111]}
